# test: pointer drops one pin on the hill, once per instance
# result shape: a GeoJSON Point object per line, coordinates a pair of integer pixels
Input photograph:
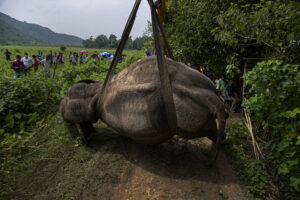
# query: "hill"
{"type": "Point", "coordinates": [16, 32]}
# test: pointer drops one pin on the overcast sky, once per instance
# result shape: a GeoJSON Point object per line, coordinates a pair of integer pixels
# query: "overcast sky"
{"type": "Point", "coordinates": [82, 18]}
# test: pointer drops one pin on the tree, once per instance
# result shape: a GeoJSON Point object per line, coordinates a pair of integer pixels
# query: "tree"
{"type": "Point", "coordinates": [89, 42]}
{"type": "Point", "coordinates": [260, 30]}
{"type": "Point", "coordinates": [63, 48]}
{"type": "Point", "coordinates": [101, 41]}
{"type": "Point", "coordinates": [129, 43]}
{"type": "Point", "coordinates": [112, 41]}
{"type": "Point", "coordinates": [189, 26]}
{"type": "Point", "coordinates": [220, 33]}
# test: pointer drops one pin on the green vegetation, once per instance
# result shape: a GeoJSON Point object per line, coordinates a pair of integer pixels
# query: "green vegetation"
{"type": "Point", "coordinates": [14, 32]}
{"type": "Point", "coordinates": [27, 106]}
{"type": "Point", "coordinates": [54, 165]}
{"type": "Point", "coordinates": [225, 36]}
{"type": "Point", "coordinates": [215, 34]}
{"type": "Point", "coordinates": [276, 105]}
{"type": "Point", "coordinates": [102, 41]}
{"type": "Point", "coordinates": [249, 169]}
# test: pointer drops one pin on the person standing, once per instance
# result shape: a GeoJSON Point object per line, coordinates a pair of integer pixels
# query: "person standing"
{"type": "Point", "coordinates": [42, 56]}
{"type": "Point", "coordinates": [46, 63]}
{"type": "Point", "coordinates": [7, 55]}
{"type": "Point", "coordinates": [71, 58]}
{"type": "Point", "coordinates": [51, 57]}
{"type": "Point", "coordinates": [38, 55]}
{"type": "Point", "coordinates": [60, 58]}
{"type": "Point", "coordinates": [86, 58]}
{"type": "Point", "coordinates": [54, 60]}
{"type": "Point", "coordinates": [217, 83]}
{"type": "Point", "coordinates": [81, 59]}
{"type": "Point", "coordinates": [35, 63]}
{"type": "Point", "coordinates": [222, 85]}
{"type": "Point", "coordinates": [27, 62]}
{"type": "Point", "coordinates": [231, 95]}
{"type": "Point", "coordinates": [74, 59]}
{"type": "Point", "coordinates": [18, 67]}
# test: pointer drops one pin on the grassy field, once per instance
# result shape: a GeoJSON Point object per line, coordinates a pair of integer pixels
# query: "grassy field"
{"type": "Point", "coordinates": [33, 50]}
{"type": "Point", "coordinates": [36, 151]}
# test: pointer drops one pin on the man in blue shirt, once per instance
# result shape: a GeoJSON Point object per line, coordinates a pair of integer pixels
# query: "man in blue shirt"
{"type": "Point", "coordinates": [231, 95]}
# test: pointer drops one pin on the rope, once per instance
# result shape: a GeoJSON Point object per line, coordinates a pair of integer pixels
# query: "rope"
{"type": "Point", "coordinates": [120, 48]}
{"type": "Point", "coordinates": [166, 89]}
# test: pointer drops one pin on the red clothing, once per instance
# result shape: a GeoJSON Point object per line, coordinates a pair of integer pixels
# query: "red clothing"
{"type": "Point", "coordinates": [241, 83]}
{"type": "Point", "coordinates": [35, 64]}
{"type": "Point", "coordinates": [18, 66]}
{"type": "Point", "coordinates": [60, 58]}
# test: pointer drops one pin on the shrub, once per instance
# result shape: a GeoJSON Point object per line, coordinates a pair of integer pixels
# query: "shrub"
{"type": "Point", "coordinates": [63, 48]}
{"type": "Point", "coordinates": [22, 97]}
{"type": "Point", "coordinates": [276, 105]}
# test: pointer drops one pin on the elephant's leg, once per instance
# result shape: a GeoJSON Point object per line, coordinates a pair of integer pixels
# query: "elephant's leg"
{"type": "Point", "coordinates": [72, 129]}
{"type": "Point", "coordinates": [90, 128]}
{"type": "Point", "coordinates": [221, 123]}
{"type": "Point", "coordinates": [82, 133]}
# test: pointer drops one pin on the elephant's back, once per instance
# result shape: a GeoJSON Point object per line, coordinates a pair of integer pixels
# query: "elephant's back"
{"type": "Point", "coordinates": [133, 104]}
{"type": "Point", "coordinates": [145, 71]}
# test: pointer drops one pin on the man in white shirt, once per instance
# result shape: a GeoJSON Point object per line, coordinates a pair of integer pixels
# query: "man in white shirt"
{"type": "Point", "coordinates": [28, 62]}
{"type": "Point", "coordinates": [46, 63]}
{"type": "Point", "coordinates": [86, 58]}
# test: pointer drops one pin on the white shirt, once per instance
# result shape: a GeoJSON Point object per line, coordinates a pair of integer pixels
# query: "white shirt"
{"type": "Point", "coordinates": [217, 82]}
{"type": "Point", "coordinates": [86, 59]}
{"type": "Point", "coordinates": [27, 62]}
{"type": "Point", "coordinates": [46, 65]}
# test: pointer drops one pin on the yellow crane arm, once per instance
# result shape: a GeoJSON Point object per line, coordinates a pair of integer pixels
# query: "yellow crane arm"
{"type": "Point", "coordinates": [162, 11]}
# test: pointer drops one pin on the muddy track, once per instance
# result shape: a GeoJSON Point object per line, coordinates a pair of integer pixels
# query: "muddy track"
{"type": "Point", "coordinates": [114, 167]}
{"type": "Point", "coordinates": [177, 170]}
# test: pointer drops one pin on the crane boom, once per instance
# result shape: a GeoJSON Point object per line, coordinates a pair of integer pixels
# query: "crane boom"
{"type": "Point", "coordinates": [162, 11]}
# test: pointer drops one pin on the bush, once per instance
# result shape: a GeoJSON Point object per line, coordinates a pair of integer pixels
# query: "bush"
{"type": "Point", "coordinates": [22, 97]}
{"type": "Point", "coordinates": [63, 48]}
{"type": "Point", "coordinates": [276, 105]}
{"type": "Point", "coordinates": [250, 170]}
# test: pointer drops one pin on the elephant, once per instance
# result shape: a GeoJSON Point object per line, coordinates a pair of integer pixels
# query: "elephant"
{"type": "Point", "coordinates": [76, 109]}
{"type": "Point", "coordinates": [133, 104]}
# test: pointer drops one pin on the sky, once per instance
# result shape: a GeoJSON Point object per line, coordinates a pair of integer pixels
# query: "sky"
{"type": "Point", "coordinates": [82, 18]}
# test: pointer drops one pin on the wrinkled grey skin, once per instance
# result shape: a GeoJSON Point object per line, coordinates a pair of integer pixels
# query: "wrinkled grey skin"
{"type": "Point", "coordinates": [133, 104]}
{"type": "Point", "coordinates": [77, 108]}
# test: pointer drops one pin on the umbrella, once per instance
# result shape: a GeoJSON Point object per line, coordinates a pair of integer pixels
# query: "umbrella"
{"type": "Point", "coordinates": [104, 54]}
{"type": "Point", "coordinates": [84, 51]}
{"type": "Point", "coordinates": [111, 57]}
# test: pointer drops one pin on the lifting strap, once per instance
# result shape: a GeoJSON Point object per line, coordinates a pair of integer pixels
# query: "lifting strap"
{"type": "Point", "coordinates": [166, 89]}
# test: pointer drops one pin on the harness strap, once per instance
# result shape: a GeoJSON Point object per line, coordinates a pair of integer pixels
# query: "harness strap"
{"type": "Point", "coordinates": [161, 29]}
{"type": "Point", "coordinates": [166, 89]}
{"type": "Point", "coordinates": [120, 48]}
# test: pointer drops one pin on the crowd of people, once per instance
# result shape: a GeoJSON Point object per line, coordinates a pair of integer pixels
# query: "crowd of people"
{"type": "Point", "coordinates": [23, 65]}
{"type": "Point", "coordinates": [73, 58]}
{"type": "Point", "coordinates": [228, 90]}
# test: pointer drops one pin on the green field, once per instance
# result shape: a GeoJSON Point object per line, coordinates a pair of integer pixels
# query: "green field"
{"type": "Point", "coordinates": [29, 104]}
{"type": "Point", "coordinates": [33, 50]}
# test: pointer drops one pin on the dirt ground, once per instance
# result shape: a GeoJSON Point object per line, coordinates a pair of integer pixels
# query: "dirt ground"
{"type": "Point", "coordinates": [177, 170]}
{"type": "Point", "coordinates": [115, 167]}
